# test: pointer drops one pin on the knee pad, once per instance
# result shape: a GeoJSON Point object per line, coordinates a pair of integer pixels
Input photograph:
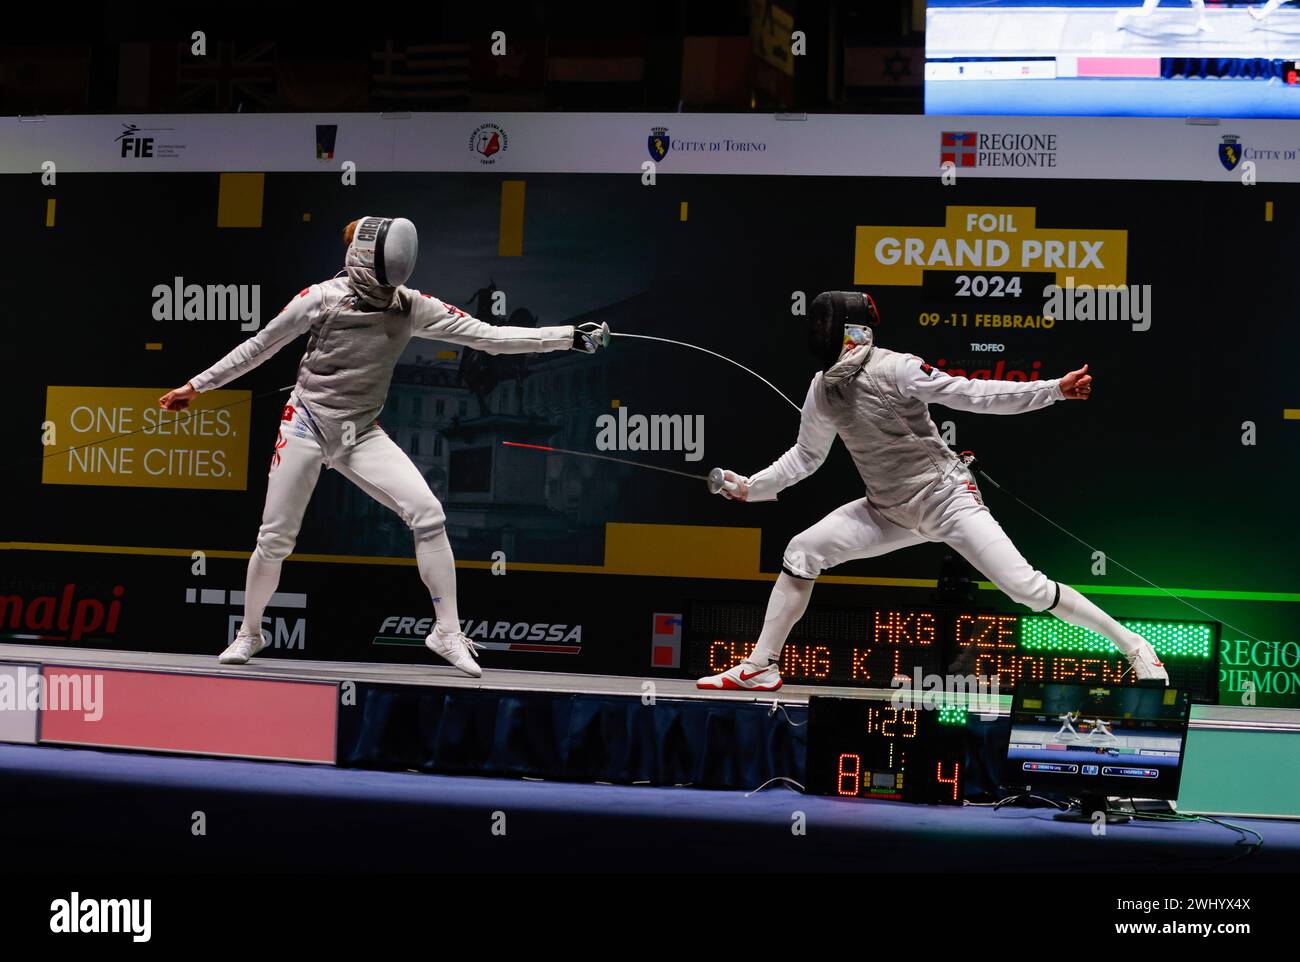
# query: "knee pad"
{"type": "Point", "coordinates": [800, 562]}
{"type": "Point", "coordinates": [274, 545]}
{"type": "Point", "coordinates": [1036, 591]}
{"type": "Point", "coordinates": [428, 519]}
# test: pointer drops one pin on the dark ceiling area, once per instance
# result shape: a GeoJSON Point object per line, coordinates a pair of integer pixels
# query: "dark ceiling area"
{"type": "Point", "coordinates": [859, 56]}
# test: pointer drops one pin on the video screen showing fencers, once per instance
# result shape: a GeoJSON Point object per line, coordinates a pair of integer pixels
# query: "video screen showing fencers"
{"type": "Point", "coordinates": [1096, 740]}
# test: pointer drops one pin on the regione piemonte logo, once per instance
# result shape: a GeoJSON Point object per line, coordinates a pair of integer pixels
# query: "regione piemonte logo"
{"type": "Point", "coordinates": [998, 148]}
{"type": "Point", "coordinates": [957, 148]}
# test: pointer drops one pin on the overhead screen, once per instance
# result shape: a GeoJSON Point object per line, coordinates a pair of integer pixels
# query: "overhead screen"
{"type": "Point", "coordinates": [1140, 58]}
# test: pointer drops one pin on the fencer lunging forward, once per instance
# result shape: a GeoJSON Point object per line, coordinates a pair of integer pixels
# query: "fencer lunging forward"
{"type": "Point", "coordinates": [918, 490]}
{"type": "Point", "coordinates": [359, 326]}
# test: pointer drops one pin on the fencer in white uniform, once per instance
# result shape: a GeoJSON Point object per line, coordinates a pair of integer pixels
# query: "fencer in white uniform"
{"type": "Point", "coordinates": [359, 325]}
{"type": "Point", "coordinates": [917, 488]}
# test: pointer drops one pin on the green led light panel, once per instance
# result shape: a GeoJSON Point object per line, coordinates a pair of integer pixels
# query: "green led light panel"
{"type": "Point", "coordinates": [1171, 639]}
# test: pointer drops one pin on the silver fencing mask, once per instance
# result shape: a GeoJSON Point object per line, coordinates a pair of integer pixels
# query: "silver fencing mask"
{"type": "Point", "coordinates": [388, 246]}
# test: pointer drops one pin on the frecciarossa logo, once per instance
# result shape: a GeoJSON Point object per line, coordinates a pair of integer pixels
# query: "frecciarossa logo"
{"type": "Point", "coordinates": [513, 636]}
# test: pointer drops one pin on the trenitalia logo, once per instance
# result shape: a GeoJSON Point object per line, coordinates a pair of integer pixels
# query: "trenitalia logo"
{"type": "Point", "coordinates": [60, 617]}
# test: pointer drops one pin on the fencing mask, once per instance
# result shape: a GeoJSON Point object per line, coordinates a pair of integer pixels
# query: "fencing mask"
{"type": "Point", "coordinates": [386, 245]}
{"type": "Point", "coordinates": [828, 315]}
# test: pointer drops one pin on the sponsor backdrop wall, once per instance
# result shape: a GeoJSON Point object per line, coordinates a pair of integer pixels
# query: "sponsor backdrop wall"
{"type": "Point", "coordinates": [140, 250]}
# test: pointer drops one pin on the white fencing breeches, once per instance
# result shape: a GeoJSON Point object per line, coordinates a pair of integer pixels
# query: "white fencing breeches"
{"type": "Point", "coordinates": [954, 514]}
{"type": "Point", "coordinates": [376, 465]}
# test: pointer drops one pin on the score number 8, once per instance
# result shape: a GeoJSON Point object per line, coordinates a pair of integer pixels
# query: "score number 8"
{"type": "Point", "coordinates": [853, 774]}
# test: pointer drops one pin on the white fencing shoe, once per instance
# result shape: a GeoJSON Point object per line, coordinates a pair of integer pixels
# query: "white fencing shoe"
{"type": "Point", "coordinates": [455, 648]}
{"type": "Point", "coordinates": [244, 647]}
{"type": "Point", "coordinates": [1147, 664]}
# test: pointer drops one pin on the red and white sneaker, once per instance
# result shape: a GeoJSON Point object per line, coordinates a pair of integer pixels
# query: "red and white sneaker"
{"type": "Point", "coordinates": [744, 677]}
{"type": "Point", "coordinates": [1147, 664]}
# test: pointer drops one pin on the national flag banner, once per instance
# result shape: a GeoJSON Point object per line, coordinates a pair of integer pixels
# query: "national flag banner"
{"type": "Point", "coordinates": [883, 66]}
{"type": "Point", "coordinates": [522, 67]}
{"type": "Point", "coordinates": [233, 77]}
{"type": "Point", "coordinates": [577, 60]}
{"type": "Point", "coordinates": [324, 85]}
{"type": "Point", "coordinates": [419, 76]}
{"type": "Point", "coordinates": [45, 79]}
{"type": "Point", "coordinates": [715, 71]}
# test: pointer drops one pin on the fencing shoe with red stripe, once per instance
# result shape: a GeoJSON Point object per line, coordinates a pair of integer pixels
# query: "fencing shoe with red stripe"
{"type": "Point", "coordinates": [746, 676]}
{"type": "Point", "coordinates": [1146, 663]}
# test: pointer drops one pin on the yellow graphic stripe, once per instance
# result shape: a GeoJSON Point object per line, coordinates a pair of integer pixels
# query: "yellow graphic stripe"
{"type": "Point", "coordinates": [239, 200]}
{"type": "Point", "coordinates": [511, 240]}
{"type": "Point", "coordinates": [644, 550]}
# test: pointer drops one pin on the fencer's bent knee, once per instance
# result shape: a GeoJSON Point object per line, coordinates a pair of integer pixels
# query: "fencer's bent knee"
{"type": "Point", "coordinates": [801, 560]}
{"type": "Point", "coordinates": [273, 544]}
{"type": "Point", "coordinates": [427, 519]}
{"type": "Point", "coordinates": [1034, 590]}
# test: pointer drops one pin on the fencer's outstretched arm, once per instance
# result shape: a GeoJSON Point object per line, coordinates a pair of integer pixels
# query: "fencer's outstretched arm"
{"type": "Point", "coordinates": [816, 435]}
{"type": "Point", "coordinates": [436, 321]}
{"type": "Point", "coordinates": [920, 380]}
{"type": "Point", "coordinates": [296, 318]}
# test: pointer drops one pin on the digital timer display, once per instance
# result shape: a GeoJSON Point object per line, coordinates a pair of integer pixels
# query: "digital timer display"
{"type": "Point", "coordinates": [865, 748]}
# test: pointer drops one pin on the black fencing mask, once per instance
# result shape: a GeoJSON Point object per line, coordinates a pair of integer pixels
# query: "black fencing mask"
{"type": "Point", "coordinates": [828, 315]}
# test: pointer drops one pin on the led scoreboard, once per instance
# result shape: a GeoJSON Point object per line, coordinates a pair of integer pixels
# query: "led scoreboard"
{"type": "Point", "coordinates": [869, 748]}
{"type": "Point", "coordinates": [828, 646]}
{"type": "Point", "coordinates": [870, 647]}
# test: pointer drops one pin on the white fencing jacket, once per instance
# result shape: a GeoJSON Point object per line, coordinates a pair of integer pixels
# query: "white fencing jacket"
{"type": "Point", "coordinates": [346, 371]}
{"type": "Point", "coordinates": [877, 401]}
